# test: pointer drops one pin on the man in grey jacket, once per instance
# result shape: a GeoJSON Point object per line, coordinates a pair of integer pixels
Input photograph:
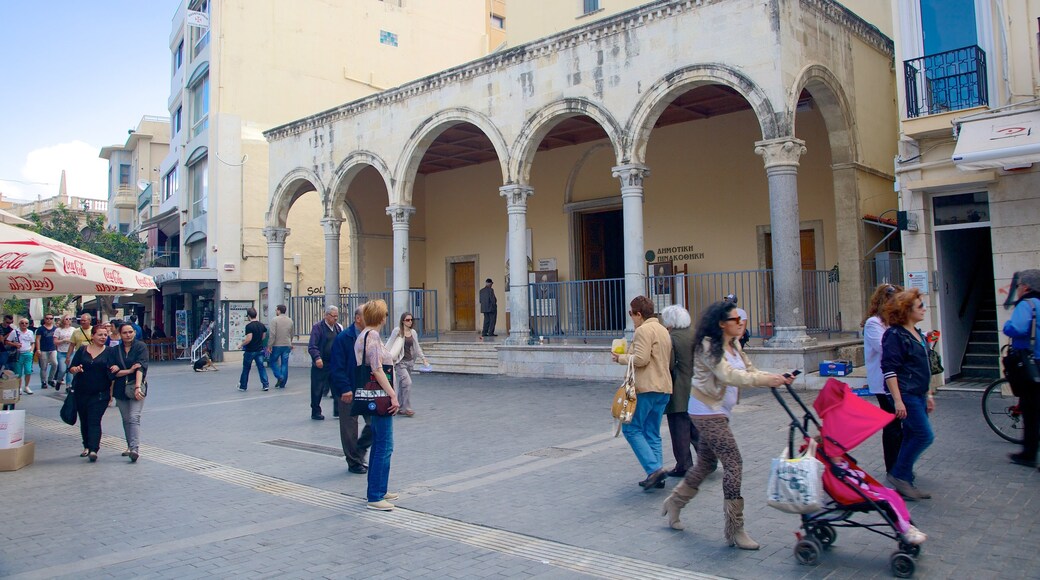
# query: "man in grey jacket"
{"type": "Point", "coordinates": [489, 308]}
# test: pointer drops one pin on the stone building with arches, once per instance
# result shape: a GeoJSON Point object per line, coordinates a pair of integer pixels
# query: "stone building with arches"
{"type": "Point", "coordinates": [747, 135]}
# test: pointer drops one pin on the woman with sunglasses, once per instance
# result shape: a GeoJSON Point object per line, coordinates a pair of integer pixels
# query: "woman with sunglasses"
{"type": "Point", "coordinates": [651, 356]}
{"type": "Point", "coordinates": [720, 367]}
{"type": "Point", "coordinates": [62, 339]}
{"type": "Point", "coordinates": [873, 329]}
{"type": "Point", "coordinates": [129, 365]}
{"type": "Point", "coordinates": [907, 372]}
{"type": "Point", "coordinates": [404, 362]}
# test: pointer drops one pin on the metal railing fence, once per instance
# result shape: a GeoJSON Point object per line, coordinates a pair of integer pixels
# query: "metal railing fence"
{"type": "Point", "coordinates": [306, 310]}
{"type": "Point", "coordinates": [579, 308]}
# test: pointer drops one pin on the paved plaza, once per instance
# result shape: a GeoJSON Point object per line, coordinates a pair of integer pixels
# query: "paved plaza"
{"type": "Point", "coordinates": [499, 477]}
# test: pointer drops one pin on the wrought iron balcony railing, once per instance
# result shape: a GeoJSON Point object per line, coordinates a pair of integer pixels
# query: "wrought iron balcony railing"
{"type": "Point", "coordinates": [946, 81]}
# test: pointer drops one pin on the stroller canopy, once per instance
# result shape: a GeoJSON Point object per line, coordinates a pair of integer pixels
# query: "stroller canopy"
{"type": "Point", "coordinates": [846, 418]}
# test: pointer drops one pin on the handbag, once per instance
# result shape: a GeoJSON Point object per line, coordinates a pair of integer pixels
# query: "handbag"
{"type": "Point", "coordinates": [68, 408]}
{"type": "Point", "coordinates": [369, 396]}
{"type": "Point", "coordinates": [796, 484]}
{"type": "Point", "coordinates": [624, 406]}
{"type": "Point", "coordinates": [935, 361]}
{"type": "Point", "coordinates": [1020, 367]}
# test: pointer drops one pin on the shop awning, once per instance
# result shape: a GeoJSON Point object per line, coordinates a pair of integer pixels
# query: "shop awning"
{"type": "Point", "coordinates": [1000, 142]}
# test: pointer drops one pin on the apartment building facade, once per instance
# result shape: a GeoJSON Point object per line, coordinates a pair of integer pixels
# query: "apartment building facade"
{"type": "Point", "coordinates": [968, 164]}
{"type": "Point", "coordinates": [239, 67]}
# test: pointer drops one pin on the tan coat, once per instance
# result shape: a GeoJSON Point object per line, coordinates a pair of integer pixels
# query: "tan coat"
{"type": "Point", "coordinates": [710, 380]}
{"type": "Point", "coordinates": [651, 355]}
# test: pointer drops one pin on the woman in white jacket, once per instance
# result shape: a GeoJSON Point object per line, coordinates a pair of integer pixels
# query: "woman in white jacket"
{"type": "Point", "coordinates": [403, 345]}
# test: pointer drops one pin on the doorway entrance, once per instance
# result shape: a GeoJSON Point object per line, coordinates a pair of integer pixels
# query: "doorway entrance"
{"type": "Point", "coordinates": [463, 292]}
{"type": "Point", "coordinates": [602, 255]}
{"type": "Point", "coordinates": [807, 244]}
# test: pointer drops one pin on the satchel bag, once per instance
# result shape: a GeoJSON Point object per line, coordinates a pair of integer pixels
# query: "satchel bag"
{"type": "Point", "coordinates": [796, 484]}
{"type": "Point", "coordinates": [1020, 367]}
{"type": "Point", "coordinates": [369, 396]}
{"type": "Point", "coordinates": [68, 408]}
{"type": "Point", "coordinates": [624, 406]}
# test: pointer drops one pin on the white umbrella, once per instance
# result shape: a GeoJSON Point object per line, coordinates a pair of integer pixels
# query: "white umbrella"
{"type": "Point", "coordinates": [33, 265]}
{"type": "Point", "coordinates": [9, 218]}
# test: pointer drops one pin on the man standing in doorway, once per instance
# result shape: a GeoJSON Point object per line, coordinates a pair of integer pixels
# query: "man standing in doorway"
{"type": "Point", "coordinates": [489, 308]}
{"type": "Point", "coordinates": [323, 334]}
{"type": "Point", "coordinates": [253, 345]}
{"type": "Point", "coordinates": [280, 346]}
{"type": "Point", "coordinates": [341, 368]}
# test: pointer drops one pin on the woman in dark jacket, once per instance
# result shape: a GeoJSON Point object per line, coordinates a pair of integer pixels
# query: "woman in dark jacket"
{"type": "Point", "coordinates": [904, 362]}
{"type": "Point", "coordinates": [129, 365]}
{"type": "Point", "coordinates": [683, 434]}
{"type": "Point", "coordinates": [92, 385]}
{"type": "Point", "coordinates": [1021, 329]}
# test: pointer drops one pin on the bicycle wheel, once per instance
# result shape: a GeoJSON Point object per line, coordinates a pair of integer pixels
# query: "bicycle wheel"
{"type": "Point", "coordinates": [1000, 408]}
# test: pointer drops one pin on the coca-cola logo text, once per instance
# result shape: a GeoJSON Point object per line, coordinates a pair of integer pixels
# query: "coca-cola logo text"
{"type": "Point", "coordinates": [26, 284]}
{"type": "Point", "coordinates": [108, 288]}
{"type": "Point", "coordinates": [113, 276]}
{"type": "Point", "coordinates": [74, 267]}
{"type": "Point", "coordinates": [12, 260]}
{"type": "Point", "coordinates": [145, 282]}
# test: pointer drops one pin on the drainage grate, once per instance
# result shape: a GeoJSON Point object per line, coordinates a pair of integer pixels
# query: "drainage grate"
{"type": "Point", "coordinates": [301, 446]}
{"type": "Point", "coordinates": [553, 452]}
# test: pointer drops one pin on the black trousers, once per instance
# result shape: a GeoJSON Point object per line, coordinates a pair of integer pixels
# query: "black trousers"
{"type": "Point", "coordinates": [892, 434]}
{"type": "Point", "coordinates": [684, 436]}
{"type": "Point", "coordinates": [1029, 404]}
{"type": "Point", "coordinates": [91, 409]}
{"type": "Point", "coordinates": [489, 323]}
{"type": "Point", "coordinates": [319, 388]}
{"type": "Point", "coordinates": [354, 447]}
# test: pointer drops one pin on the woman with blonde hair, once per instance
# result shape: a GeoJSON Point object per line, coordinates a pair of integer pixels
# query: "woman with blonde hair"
{"type": "Point", "coordinates": [873, 329]}
{"type": "Point", "coordinates": [369, 350]}
{"type": "Point", "coordinates": [404, 360]}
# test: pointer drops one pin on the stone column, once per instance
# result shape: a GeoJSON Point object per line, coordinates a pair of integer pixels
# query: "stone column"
{"type": "Point", "coordinates": [331, 227]}
{"type": "Point", "coordinates": [516, 206]}
{"type": "Point", "coordinates": [275, 268]}
{"type": "Point", "coordinates": [632, 177]}
{"type": "Point", "coordinates": [399, 217]}
{"type": "Point", "coordinates": [781, 161]}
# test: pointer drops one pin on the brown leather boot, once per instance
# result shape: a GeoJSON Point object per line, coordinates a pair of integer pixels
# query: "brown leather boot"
{"type": "Point", "coordinates": [735, 534]}
{"type": "Point", "coordinates": [680, 496]}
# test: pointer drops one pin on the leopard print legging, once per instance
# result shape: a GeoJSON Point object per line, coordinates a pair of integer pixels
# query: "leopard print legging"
{"type": "Point", "coordinates": [716, 442]}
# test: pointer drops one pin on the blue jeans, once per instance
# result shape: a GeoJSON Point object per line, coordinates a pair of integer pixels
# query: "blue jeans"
{"type": "Point", "coordinates": [280, 363]}
{"type": "Point", "coordinates": [247, 362]}
{"type": "Point", "coordinates": [917, 436]}
{"type": "Point", "coordinates": [644, 432]}
{"type": "Point", "coordinates": [63, 374]}
{"type": "Point", "coordinates": [379, 456]}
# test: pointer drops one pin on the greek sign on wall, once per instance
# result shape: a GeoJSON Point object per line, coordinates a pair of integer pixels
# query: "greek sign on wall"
{"type": "Point", "coordinates": [677, 254]}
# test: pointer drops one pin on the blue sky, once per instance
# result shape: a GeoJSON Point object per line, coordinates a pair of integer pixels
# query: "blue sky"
{"type": "Point", "coordinates": [74, 76]}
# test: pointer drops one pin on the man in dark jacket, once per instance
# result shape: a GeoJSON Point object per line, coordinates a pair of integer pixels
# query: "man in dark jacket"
{"type": "Point", "coordinates": [323, 333]}
{"type": "Point", "coordinates": [342, 363]}
{"type": "Point", "coordinates": [489, 308]}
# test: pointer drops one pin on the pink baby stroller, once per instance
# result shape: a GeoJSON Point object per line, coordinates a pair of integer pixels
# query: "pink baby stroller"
{"type": "Point", "coordinates": [847, 421]}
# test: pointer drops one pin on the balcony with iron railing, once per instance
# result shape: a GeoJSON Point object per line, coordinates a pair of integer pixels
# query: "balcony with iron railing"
{"type": "Point", "coordinates": [947, 81]}
{"type": "Point", "coordinates": [162, 258]}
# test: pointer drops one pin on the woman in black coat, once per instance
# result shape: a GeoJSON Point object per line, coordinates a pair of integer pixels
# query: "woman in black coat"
{"type": "Point", "coordinates": [92, 386]}
{"type": "Point", "coordinates": [129, 367]}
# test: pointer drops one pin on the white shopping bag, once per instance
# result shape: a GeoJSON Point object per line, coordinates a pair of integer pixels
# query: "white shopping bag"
{"type": "Point", "coordinates": [796, 484]}
{"type": "Point", "coordinates": [12, 429]}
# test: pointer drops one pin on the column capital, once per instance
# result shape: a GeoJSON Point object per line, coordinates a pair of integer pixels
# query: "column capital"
{"type": "Point", "coordinates": [780, 152]}
{"type": "Point", "coordinates": [276, 235]}
{"type": "Point", "coordinates": [400, 214]}
{"type": "Point", "coordinates": [331, 226]}
{"type": "Point", "coordinates": [516, 194]}
{"type": "Point", "coordinates": [631, 175]}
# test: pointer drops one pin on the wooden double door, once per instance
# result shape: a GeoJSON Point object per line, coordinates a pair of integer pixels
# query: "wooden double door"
{"type": "Point", "coordinates": [464, 294]}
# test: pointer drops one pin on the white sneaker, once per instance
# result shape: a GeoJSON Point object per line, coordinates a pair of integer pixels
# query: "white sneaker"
{"type": "Point", "coordinates": [915, 536]}
{"type": "Point", "coordinates": [381, 505]}
{"type": "Point", "coordinates": [27, 390]}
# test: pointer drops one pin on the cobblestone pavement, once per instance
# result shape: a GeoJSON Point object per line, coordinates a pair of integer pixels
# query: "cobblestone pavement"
{"type": "Point", "coordinates": [500, 477]}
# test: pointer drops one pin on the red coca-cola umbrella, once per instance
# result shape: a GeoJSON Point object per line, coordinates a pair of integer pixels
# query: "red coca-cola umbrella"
{"type": "Point", "coordinates": [33, 265]}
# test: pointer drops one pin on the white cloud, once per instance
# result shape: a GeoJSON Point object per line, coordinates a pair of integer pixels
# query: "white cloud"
{"type": "Point", "coordinates": [86, 175]}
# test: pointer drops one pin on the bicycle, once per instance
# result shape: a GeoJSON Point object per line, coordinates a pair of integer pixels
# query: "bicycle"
{"type": "Point", "coordinates": [1000, 408]}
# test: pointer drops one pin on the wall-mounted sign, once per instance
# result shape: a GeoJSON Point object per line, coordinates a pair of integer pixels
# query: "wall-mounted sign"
{"type": "Point", "coordinates": [678, 254]}
{"type": "Point", "coordinates": [546, 264]}
{"type": "Point", "coordinates": [918, 280]}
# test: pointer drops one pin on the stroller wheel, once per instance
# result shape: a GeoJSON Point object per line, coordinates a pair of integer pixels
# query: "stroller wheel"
{"type": "Point", "coordinates": [902, 564]}
{"type": "Point", "coordinates": [807, 552]}
{"type": "Point", "coordinates": [912, 549]}
{"type": "Point", "coordinates": [825, 534]}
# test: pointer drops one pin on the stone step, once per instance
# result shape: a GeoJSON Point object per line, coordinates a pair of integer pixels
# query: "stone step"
{"type": "Point", "coordinates": [992, 348]}
{"type": "Point", "coordinates": [981, 359]}
{"type": "Point", "coordinates": [462, 357]}
{"type": "Point", "coordinates": [984, 336]}
{"type": "Point", "coordinates": [982, 325]}
{"type": "Point", "coordinates": [976, 371]}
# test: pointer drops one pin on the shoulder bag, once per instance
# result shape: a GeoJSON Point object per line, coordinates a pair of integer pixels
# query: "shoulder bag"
{"type": "Point", "coordinates": [935, 361]}
{"type": "Point", "coordinates": [68, 408]}
{"type": "Point", "coordinates": [131, 379]}
{"type": "Point", "coordinates": [369, 396]}
{"type": "Point", "coordinates": [1019, 365]}
{"type": "Point", "coordinates": [624, 406]}
{"type": "Point", "coordinates": [796, 483]}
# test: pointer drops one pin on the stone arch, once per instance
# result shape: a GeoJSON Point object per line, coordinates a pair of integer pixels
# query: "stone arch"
{"type": "Point", "coordinates": [427, 132]}
{"type": "Point", "coordinates": [296, 183]}
{"type": "Point", "coordinates": [834, 107]}
{"type": "Point", "coordinates": [658, 96]}
{"type": "Point", "coordinates": [543, 121]}
{"type": "Point", "coordinates": [345, 174]}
